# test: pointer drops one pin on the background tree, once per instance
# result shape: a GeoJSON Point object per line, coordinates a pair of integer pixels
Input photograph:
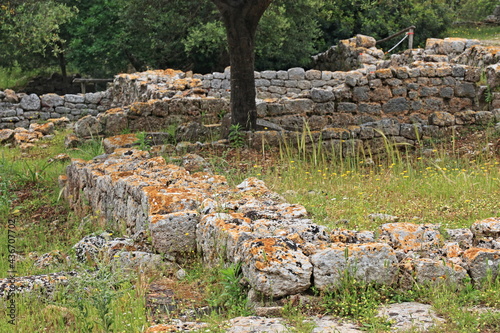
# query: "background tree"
{"type": "Point", "coordinates": [30, 32]}
{"type": "Point", "coordinates": [241, 17]}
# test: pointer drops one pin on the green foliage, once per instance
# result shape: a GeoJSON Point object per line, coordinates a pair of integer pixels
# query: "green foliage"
{"type": "Point", "coordinates": [30, 31]}
{"type": "Point", "coordinates": [345, 18]}
{"type": "Point", "coordinates": [356, 299]}
{"type": "Point", "coordinates": [236, 136]}
{"type": "Point", "coordinates": [475, 10]}
{"type": "Point", "coordinates": [230, 293]}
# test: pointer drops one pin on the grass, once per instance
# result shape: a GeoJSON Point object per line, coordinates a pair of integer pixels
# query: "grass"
{"type": "Point", "coordinates": [434, 184]}
{"type": "Point", "coordinates": [489, 33]}
{"type": "Point", "coordinates": [16, 77]}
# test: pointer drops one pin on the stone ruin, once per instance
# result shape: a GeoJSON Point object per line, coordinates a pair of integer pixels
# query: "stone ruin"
{"type": "Point", "coordinates": [188, 209]}
{"type": "Point", "coordinates": [282, 252]}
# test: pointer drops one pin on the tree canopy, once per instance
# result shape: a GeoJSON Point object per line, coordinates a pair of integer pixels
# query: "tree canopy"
{"type": "Point", "coordinates": [103, 37]}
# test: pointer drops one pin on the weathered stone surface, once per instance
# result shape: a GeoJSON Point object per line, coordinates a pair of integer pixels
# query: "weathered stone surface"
{"type": "Point", "coordinates": [275, 266]}
{"type": "Point", "coordinates": [462, 236]}
{"type": "Point", "coordinates": [119, 141]}
{"type": "Point", "coordinates": [434, 271]}
{"type": "Point", "coordinates": [70, 98]}
{"type": "Point", "coordinates": [45, 129]}
{"type": "Point", "coordinates": [174, 234]}
{"type": "Point", "coordinates": [410, 315]}
{"type": "Point", "coordinates": [486, 228]}
{"type": "Point", "coordinates": [482, 262]}
{"type": "Point", "coordinates": [30, 102]}
{"type": "Point", "coordinates": [6, 135]}
{"type": "Point", "coordinates": [371, 262]}
{"type": "Point", "coordinates": [321, 95]}
{"type": "Point", "coordinates": [88, 126]}
{"type": "Point", "coordinates": [441, 119]}
{"type": "Point", "coordinates": [296, 73]}
{"type": "Point", "coordinates": [71, 141]}
{"type": "Point", "coordinates": [51, 100]}
{"type": "Point", "coordinates": [410, 237]}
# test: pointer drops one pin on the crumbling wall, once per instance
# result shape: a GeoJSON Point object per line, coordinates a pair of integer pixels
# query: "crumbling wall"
{"type": "Point", "coordinates": [280, 250]}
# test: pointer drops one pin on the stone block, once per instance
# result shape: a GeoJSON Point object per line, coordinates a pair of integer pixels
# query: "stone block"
{"type": "Point", "coordinates": [51, 100]}
{"type": "Point", "coordinates": [411, 131]}
{"type": "Point", "coordinates": [268, 75]}
{"type": "Point", "coordinates": [441, 119]}
{"type": "Point", "coordinates": [446, 92]}
{"type": "Point", "coordinates": [347, 107]}
{"type": "Point", "coordinates": [433, 271]}
{"type": "Point", "coordinates": [370, 262]}
{"type": "Point", "coordinates": [296, 73]}
{"type": "Point", "coordinates": [409, 236]}
{"type": "Point", "coordinates": [30, 102]}
{"type": "Point", "coordinates": [486, 228]}
{"type": "Point", "coordinates": [371, 108]}
{"type": "Point", "coordinates": [174, 234]}
{"type": "Point", "coordinates": [275, 266]}
{"type": "Point", "coordinates": [433, 103]}
{"type": "Point", "coordinates": [383, 73]}
{"type": "Point", "coordinates": [465, 89]}
{"type": "Point", "coordinates": [462, 236]}
{"type": "Point", "coordinates": [321, 95]}
{"type": "Point", "coordinates": [396, 105]}
{"type": "Point", "coordinates": [381, 94]}
{"type": "Point", "coordinates": [75, 99]}
{"type": "Point", "coordinates": [482, 262]}
{"type": "Point", "coordinates": [361, 94]}
{"type": "Point", "coordinates": [313, 74]}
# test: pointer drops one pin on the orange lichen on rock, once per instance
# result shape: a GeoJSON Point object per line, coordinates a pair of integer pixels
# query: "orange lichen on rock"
{"type": "Point", "coordinates": [165, 200]}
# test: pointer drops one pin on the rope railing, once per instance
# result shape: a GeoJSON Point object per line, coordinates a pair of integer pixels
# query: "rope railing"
{"type": "Point", "coordinates": [409, 34]}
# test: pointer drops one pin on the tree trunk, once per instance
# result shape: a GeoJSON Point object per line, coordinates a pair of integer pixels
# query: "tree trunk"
{"type": "Point", "coordinates": [241, 18]}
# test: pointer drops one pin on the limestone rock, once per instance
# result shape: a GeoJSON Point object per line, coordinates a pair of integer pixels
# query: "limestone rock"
{"type": "Point", "coordinates": [434, 271]}
{"type": "Point", "coordinates": [481, 262]}
{"type": "Point", "coordinates": [71, 141]}
{"type": "Point", "coordinates": [88, 126]}
{"type": "Point", "coordinates": [219, 236]}
{"type": "Point", "coordinates": [10, 96]}
{"type": "Point", "coordinates": [174, 234]}
{"type": "Point", "coordinates": [119, 141]}
{"type": "Point", "coordinates": [51, 100]}
{"type": "Point", "coordinates": [45, 129]}
{"type": "Point", "coordinates": [409, 236]}
{"type": "Point", "coordinates": [30, 102]}
{"type": "Point", "coordinates": [410, 315]}
{"type": "Point", "coordinates": [6, 135]}
{"type": "Point", "coordinates": [486, 228]}
{"type": "Point", "coordinates": [371, 262]}
{"type": "Point", "coordinates": [275, 266]}
{"type": "Point", "coordinates": [27, 137]}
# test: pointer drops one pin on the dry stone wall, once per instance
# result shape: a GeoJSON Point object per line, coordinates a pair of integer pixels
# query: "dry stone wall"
{"type": "Point", "coordinates": [21, 110]}
{"type": "Point", "coordinates": [280, 250]}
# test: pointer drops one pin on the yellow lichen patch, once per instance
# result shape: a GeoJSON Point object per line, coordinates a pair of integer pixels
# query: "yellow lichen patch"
{"type": "Point", "coordinates": [474, 252]}
{"type": "Point", "coordinates": [123, 139]}
{"type": "Point", "coordinates": [114, 111]}
{"type": "Point", "coordinates": [165, 200]}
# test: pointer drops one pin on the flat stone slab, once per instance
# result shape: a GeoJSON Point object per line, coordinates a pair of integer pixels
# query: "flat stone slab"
{"type": "Point", "coordinates": [410, 315]}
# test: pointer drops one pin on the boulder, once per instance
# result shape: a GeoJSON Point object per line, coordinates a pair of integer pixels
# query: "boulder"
{"type": "Point", "coordinates": [88, 126]}
{"type": "Point", "coordinates": [30, 102]}
{"type": "Point", "coordinates": [482, 262]}
{"type": "Point", "coordinates": [370, 262]}
{"type": "Point", "coordinates": [275, 266]}
{"type": "Point", "coordinates": [174, 234]}
{"type": "Point", "coordinates": [410, 237]}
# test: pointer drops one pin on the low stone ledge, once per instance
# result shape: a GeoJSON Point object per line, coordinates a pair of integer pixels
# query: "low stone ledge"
{"type": "Point", "coordinates": [279, 249]}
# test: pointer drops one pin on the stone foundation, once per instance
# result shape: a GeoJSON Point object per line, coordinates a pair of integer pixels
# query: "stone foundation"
{"type": "Point", "coordinates": [281, 251]}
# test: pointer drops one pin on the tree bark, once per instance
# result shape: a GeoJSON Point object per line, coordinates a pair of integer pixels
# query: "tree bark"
{"type": "Point", "coordinates": [241, 18]}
